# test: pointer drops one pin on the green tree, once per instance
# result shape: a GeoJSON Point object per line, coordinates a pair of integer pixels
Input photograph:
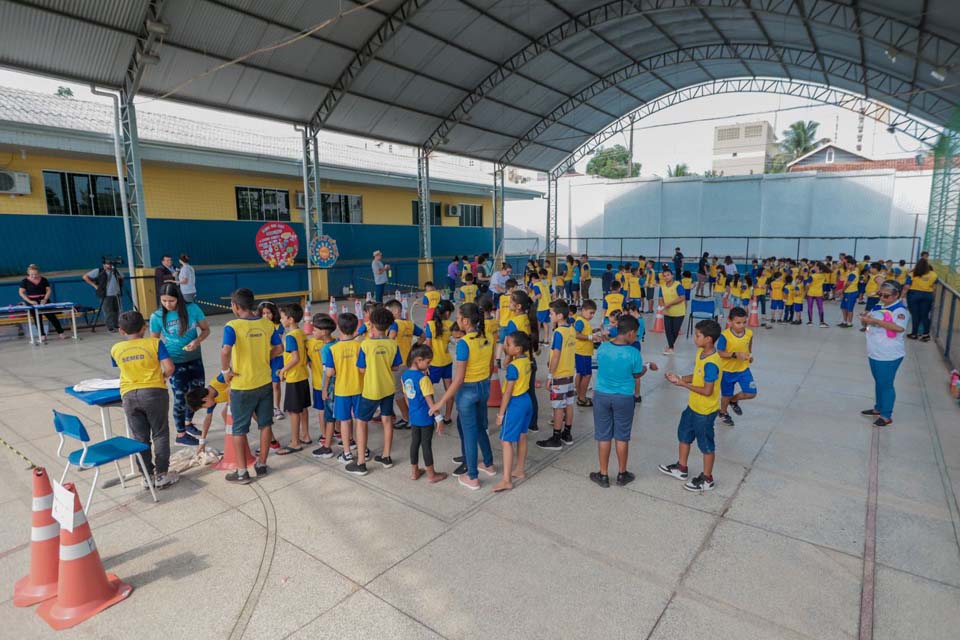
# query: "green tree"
{"type": "Point", "coordinates": [64, 92]}
{"type": "Point", "coordinates": [778, 163]}
{"type": "Point", "coordinates": [679, 170]}
{"type": "Point", "coordinates": [613, 163]}
{"type": "Point", "coordinates": [799, 138]}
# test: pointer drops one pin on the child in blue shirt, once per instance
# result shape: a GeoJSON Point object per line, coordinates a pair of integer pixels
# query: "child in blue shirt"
{"type": "Point", "coordinates": [418, 390]}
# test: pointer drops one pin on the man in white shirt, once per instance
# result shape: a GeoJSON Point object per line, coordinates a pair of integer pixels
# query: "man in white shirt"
{"type": "Point", "coordinates": [187, 278]}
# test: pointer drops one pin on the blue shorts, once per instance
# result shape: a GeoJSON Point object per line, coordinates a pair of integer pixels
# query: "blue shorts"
{"type": "Point", "coordinates": [245, 404]}
{"type": "Point", "coordinates": [346, 407]}
{"type": "Point", "coordinates": [612, 416]}
{"type": "Point", "coordinates": [699, 427]}
{"type": "Point", "coordinates": [516, 421]}
{"type": "Point", "coordinates": [731, 378]}
{"type": "Point", "coordinates": [849, 301]}
{"type": "Point", "coordinates": [712, 280]}
{"type": "Point", "coordinates": [798, 306]}
{"type": "Point", "coordinates": [318, 399]}
{"type": "Point", "coordinates": [368, 408]}
{"type": "Point", "coordinates": [441, 373]}
{"type": "Point", "coordinates": [776, 305]}
{"type": "Point", "coordinates": [828, 286]}
{"type": "Point", "coordinates": [275, 365]}
{"type": "Point", "coordinates": [543, 317]}
{"type": "Point", "coordinates": [583, 365]}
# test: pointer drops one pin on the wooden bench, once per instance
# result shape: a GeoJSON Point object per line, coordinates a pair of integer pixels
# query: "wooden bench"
{"type": "Point", "coordinates": [300, 295]}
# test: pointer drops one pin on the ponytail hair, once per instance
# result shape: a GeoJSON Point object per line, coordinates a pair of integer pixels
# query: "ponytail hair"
{"type": "Point", "coordinates": [444, 309]}
{"type": "Point", "coordinates": [471, 313]}
{"type": "Point", "coordinates": [524, 341]}
{"type": "Point", "coordinates": [526, 304]}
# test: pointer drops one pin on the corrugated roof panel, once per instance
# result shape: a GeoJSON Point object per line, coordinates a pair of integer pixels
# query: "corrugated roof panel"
{"type": "Point", "coordinates": [528, 17]}
{"type": "Point", "coordinates": [359, 114]}
{"type": "Point", "coordinates": [427, 95]}
{"type": "Point", "coordinates": [537, 156]}
{"type": "Point", "coordinates": [127, 15]}
{"type": "Point", "coordinates": [526, 94]}
{"type": "Point", "coordinates": [472, 142]}
{"type": "Point", "coordinates": [446, 18]}
{"type": "Point", "coordinates": [209, 27]}
{"type": "Point", "coordinates": [559, 135]}
{"type": "Point", "coordinates": [415, 126]}
{"type": "Point", "coordinates": [381, 81]}
{"type": "Point", "coordinates": [355, 28]}
{"type": "Point", "coordinates": [497, 117]}
{"type": "Point", "coordinates": [488, 38]}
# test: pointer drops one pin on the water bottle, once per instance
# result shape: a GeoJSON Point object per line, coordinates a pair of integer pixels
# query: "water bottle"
{"type": "Point", "coordinates": [333, 308]}
{"type": "Point", "coordinates": [404, 306]}
{"type": "Point", "coordinates": [358, 308]}
{"type": "Point", "coordinates": [396, 295]}
{"type": "Point", "coordinates": [369, 296]}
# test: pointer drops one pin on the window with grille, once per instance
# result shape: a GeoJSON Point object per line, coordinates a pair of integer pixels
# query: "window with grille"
{"type": "Point", "coordinates": [471, 215]}
{"type": "Point", "coordinates": [82, 194]}
{"type": "Point", "coordinates": [753, 131]}
{"type": "Point", "coordinates": [342, 207]}
{"type": "Point", "coordinates": [435, 219]}
{"type": "Point", "coordinates": [256, 203]}
{"type": "Point", "coordinates": [732, 133]}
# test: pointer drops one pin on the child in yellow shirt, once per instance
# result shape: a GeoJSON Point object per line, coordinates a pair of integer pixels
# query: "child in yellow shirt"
{"type": "Point", "coordinates": [296, 375]}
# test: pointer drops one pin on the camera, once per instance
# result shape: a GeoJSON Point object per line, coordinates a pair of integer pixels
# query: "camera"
{"type": "Point", "coordinates": [116, 261]}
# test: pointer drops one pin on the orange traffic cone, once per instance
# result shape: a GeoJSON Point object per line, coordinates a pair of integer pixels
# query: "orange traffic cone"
{"type": "Point", "coordinates": [41, 583]}
{"type": "Point", "coordinates": [83, 588]}
{"type": "Point", "coordinates": [229, 460]}
{"type": "Point", "coordinates": [754, 319]}
{"type": "Point", "coordinates": [496, 393]}
{"type": "Point", "coordinates": [658, 320]}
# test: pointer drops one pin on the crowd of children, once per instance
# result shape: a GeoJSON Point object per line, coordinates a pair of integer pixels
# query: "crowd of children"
{"type": "Point", "coordinates": [385, 369]}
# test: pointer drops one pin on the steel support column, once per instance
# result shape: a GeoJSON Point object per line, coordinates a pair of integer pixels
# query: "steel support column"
{"type": "Point", "coordinates": [498, 214]}
{"type": "Point", "coordinates": [423, 193]}
{"type": "Point", "coordinates": [551, 239]}
{"type": "Point", "coordinates": [134, 181]}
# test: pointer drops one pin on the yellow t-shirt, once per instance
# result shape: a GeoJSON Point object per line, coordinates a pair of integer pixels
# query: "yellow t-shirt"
{"type": "Point", "coordinates": [299, 371]}
{"type": "Point", "coordinates": [477, 352]}
{"type": "Point", "coordinates": [815, 286]}
{"type": "Point", "coordinates": [614, 302]}
{"type": "Point", "coordinates": [221, 388]}
{"type": "Point", "coordinates": [564, 340]}
{"type": "Point", "coordinates": [139, 363]}
{"type": "Point", "coordinates": [687, 283]}
{"type": "Point", "coordinates": [797, 294]}
{"type": "Point", "coordinates": [505, 314]}
{"type": "Point", "coordinates": [922, 283]}
{"type": "Point", "coordinates": [377, 357]}
{"type": "Point", "coordinates": [633, 287]}
{"type": "Point", "coordinates": [760, 286]}
{"type": "Point", "coordinates": [252, 341]}
{"type": "Point", "coordinates": [404, 337]}
{"type": "Point", "coordinates": [468, 293]}
{"type": "Point", "coordinates": [729, 341]}
{"type": "Point", "coordinates": [568, 274]}
{"type": "Point", "coordinates": [440, 346]}
{"type": "Point", "coordinates": [872, 286]}
{"type": "Point", "coordinates": [491, 329]}
{"type": "Point", "coordinates": [901, 274]}
{"type": "Point", "coordinates": [343, 360]}
{"type": "Point", "coordinates": [705, 405]}
{"type": "Point", "coordinates": [558, 284]}
{"type": "Point", "coordinates": [583, 330]}
{"type": "Point", "coordinates": [521, 385]}
{"type": "Point", "coordinates": [315, 358]}
{"type": "Point", "coordinates": [713, 270]}
{"type": "Point", "coordinates": [521, 322]}
{"type": "Point", "coordinates": [431, 299]}
{"type": "Point", "coordinates": [850, 285]}
{"type": "Point", "coordinates": [721, 280]}
{"type": "Point", "coordinates": [651, 279]}
{"type": "Point", "coordinates": [669, 294]}
{"type": "Point", "coordinates": [787, 295]}
{"type": "Point", "coordinates": [543, 302]}
{"type": "Point", "coordinates": [776, 289]}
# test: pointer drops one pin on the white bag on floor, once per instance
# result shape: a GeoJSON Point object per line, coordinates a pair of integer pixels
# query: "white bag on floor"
{"type": "Point", "coordinates": [187, 458]}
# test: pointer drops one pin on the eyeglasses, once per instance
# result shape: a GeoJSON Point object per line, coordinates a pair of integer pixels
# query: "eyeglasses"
{"type": "Point", "coordinates": [888, 295]}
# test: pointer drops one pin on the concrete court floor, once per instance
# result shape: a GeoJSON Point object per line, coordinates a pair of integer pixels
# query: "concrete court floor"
{"type": "Point", "coordinates": [776, 551]}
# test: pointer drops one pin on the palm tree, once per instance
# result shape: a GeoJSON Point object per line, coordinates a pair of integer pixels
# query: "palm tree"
{"type": "Point", "coordinates": [678, 171]}
{"type": "Point", "coordinates": [800, 138]}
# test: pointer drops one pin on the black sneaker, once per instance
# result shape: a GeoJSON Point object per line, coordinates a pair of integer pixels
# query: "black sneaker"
{"type": "Point", "coordinates": [457, 459]}
{"type": "Point", "coordinates": [809, 322]}
{"type": "Point", "coordinates": [186, 440]}
{"type": "Point", "coordinates": [553, 442]}
{"type": "Point", "coordinates": [566, 437]}
{"type": "Point", "coordinates": [699, 484]}
{"type": "Point", "coordinates": [386, 461]}
{"type": "Point", "coordinates": [323, 452]}
{"type": "Point", "coordinates": [673, 470]}
{"type": "Point", "coordinates": [345, 458]}
{"type": "Point", "coordinates": [461, 470]}
{"type": "Point", "coordinates": [598, 478]}
{"type": "Point", "coordinates": [824, 325]}
{"type": "Point", "coordinates": [869, 412]}
{"type": "Point", "coordinates": [401, 424]}
{"type": "Point", "coordinates": [534, 427]}
{"type": "Point", "coordinates": [261, 469]}
{"type": "Point", "coordinates": [726, 419]}
{"type": "Point", "coordinates": [356, 469]}
{"type": "Point", "coordinates": [625, 478]}
{"type": "Point", "coordinates": [637, 399]}
{"type": "Point", "coordinates": [882, 422]}
{"type": "Point", "coordinates": [238, 478]}
{"type": "Point", "coordinates": [736, 408]}
{"type": "Point", "coordinates": [192, 430]}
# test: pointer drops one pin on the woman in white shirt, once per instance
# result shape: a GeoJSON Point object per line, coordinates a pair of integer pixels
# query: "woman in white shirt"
{"type": "Point", "coordinates": [886, 327]}
{"type": "Point", "coordinates": [187, 278]}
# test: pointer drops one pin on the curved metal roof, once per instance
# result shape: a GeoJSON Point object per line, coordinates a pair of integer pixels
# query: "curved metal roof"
{"type": "Point", "coordinates": [477, 77]}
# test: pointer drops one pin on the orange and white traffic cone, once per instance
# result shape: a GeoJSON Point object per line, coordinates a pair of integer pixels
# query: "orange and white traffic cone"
{"type": "Point", "coordinates": [754, 319]}
{"type": "Point", "coordinates": [84, 589]}
{"type": "Point", "coordinates": [229, 460]}
{"type": "Point", "coordinates": [658, 320]}
{"type": "Point", "coordinates": [41, 583]}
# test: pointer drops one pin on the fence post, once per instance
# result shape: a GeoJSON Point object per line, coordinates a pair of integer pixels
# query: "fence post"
{"type": "Point", "coordinates": [953, 309]}
{"type": "Point", "coordinates": [855, 248]}
{"type": "Point", "coordinates": [798, 249]}
{"type": "Point", "coordinates": [621, 251]}
{"type": "Point", "coordinates": [659, 241]}
{"type": "Point", "coordinates": [701, 248]}
{"type": "Point", "coordinates": [746, 256]}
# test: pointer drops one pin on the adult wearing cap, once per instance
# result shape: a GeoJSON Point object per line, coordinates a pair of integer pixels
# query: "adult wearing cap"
{"type": "Point", "coordinates": [379, 275]}
{"type": "Point", "coordinates": [886, 327]}
{"type": "Point", "coordinates": [108, 285]}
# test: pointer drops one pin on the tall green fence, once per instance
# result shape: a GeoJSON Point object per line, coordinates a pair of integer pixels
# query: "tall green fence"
{"type": "Point", "coordinates": [942, 239]}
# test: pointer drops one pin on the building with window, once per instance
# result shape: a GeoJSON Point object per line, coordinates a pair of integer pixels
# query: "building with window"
{"type": "Point", "coordinates": [743, 149]}
{"type": "Point", "coordinates": [207, 189]}
{"type": "Point", "coordinates": [830, 157]}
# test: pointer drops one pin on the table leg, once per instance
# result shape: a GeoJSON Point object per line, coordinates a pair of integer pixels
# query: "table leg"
{"type": "Point", "coordinates": [39, 326]}
{"type": "Point", "coordinates": [29, 318]}
{"type": "Point", "coordinates": [73, 321]}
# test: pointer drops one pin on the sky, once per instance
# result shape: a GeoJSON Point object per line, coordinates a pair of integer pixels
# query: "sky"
{"type": "Point", "coordinates": [664, 139]}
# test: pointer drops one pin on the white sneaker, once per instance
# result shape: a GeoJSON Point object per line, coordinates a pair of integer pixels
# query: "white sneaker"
{"type": "Point", "coordinates": [164, 480]}
{"type": "Point", "coordinates": [278, 414]}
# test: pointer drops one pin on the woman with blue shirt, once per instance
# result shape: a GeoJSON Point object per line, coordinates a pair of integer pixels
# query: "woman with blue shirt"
{"type": "Point", "coordinates": [470, 389]}
{"type": "Point", "coordinates": [182, 326]}
{"type": "Point", "coordinates": [619, 364]}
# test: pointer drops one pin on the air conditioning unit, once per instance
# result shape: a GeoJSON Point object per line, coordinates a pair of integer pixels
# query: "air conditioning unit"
{"type": "Point", "coordinates": [17, 184]}
{"type": "Point", "coordinates": [453, 211]}
{"type": "Point", "coordinates": [300, 200]}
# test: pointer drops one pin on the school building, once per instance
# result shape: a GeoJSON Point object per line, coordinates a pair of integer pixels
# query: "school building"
{"type": "Point", "coordinates": [207, 190]}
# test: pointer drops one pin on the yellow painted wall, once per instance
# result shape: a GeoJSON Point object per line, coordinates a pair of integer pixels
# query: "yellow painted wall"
{"type": "Point", "coordinates": [180, 191]}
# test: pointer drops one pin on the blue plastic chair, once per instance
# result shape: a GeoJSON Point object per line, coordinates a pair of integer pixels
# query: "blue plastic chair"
{"type": "Point", "coordinates": [96, 455]}
{"type": "Point", "coordinates": [701, 310]}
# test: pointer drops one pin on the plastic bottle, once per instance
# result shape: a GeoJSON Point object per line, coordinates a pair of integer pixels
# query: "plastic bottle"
{"type": "Point", "coordinates": [955, 383]}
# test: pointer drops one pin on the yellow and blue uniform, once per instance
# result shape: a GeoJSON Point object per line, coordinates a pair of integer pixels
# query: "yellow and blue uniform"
{"type": "Point", "coordinates": [776, 294]}
{"type": "Point", "coordinates": [295, 342]}
{"type": "Point", "coordinates": [735, 371]}
{"type": "Point", "coordinates": [613, 302]}
{"type": "Point", "coordinates": [276, 363]}
{"type": "Point", "coordinates": [870, 289]}
{"type": "Point", "coordinates": [543, 301]}
{"type": "Point", "coordinates": [712, 272]}
{"type": "Point", "coordinates": [922, 283]}
{"type": "Point", "coordinates": [416, 389]}
{"type": "Point", "coordinates": [583, 349]}
{"type": "Point", "coordinates": [139, 362]}
{"type": "Point", "coordinates": [651, 282]}
{"type": "Point", "coordinates": [634, 289]}
{"type": "Point", "coordinates": [519, 322]}
{"type": "Point", "coordinates": [468, 293]}
{"type": "Point", "coordinates": [252, 340]}
{"type": "Point", "coordinates": [404, 331]}
{"type": "Point", "coordinates": [687, 284]}
{"type": "Point", "coordinates": [221, 391]}
{"type": "Point", "coordinates": [315, 347]}
{"type": "Point", "coordinates": [476, 352]}
{"type": "Point", "coordinates": [815, 282]}
{"type": "Point", "coordinates": [564, 342]}
{"type": "Point", "coordinates": [516, 420]}
{"type": "Point", "coordinates": [797, 297]}
{"type": "Point", "coordinates": [851, 287]}
{"type": "Point", "coordinates": [430, 301]}
{"type": "Point", "coordinates": [441, 367]}
{"type": "Point", "coordinates": [669, 293]}
{"type": "Point", "coordinates": [341, 357]}
{"type": "Point", "coordinates": [696, 421]}
{"type": "Point", "coordinates": [377, 359]}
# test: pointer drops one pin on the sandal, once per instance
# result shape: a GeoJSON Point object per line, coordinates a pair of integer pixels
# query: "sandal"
{"type": "Point", "coordinates": [585, 403]}
{"type": "Point", "coordinates": [304, 442]}
{"type": "Point", "coordinates": [285, 451]}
